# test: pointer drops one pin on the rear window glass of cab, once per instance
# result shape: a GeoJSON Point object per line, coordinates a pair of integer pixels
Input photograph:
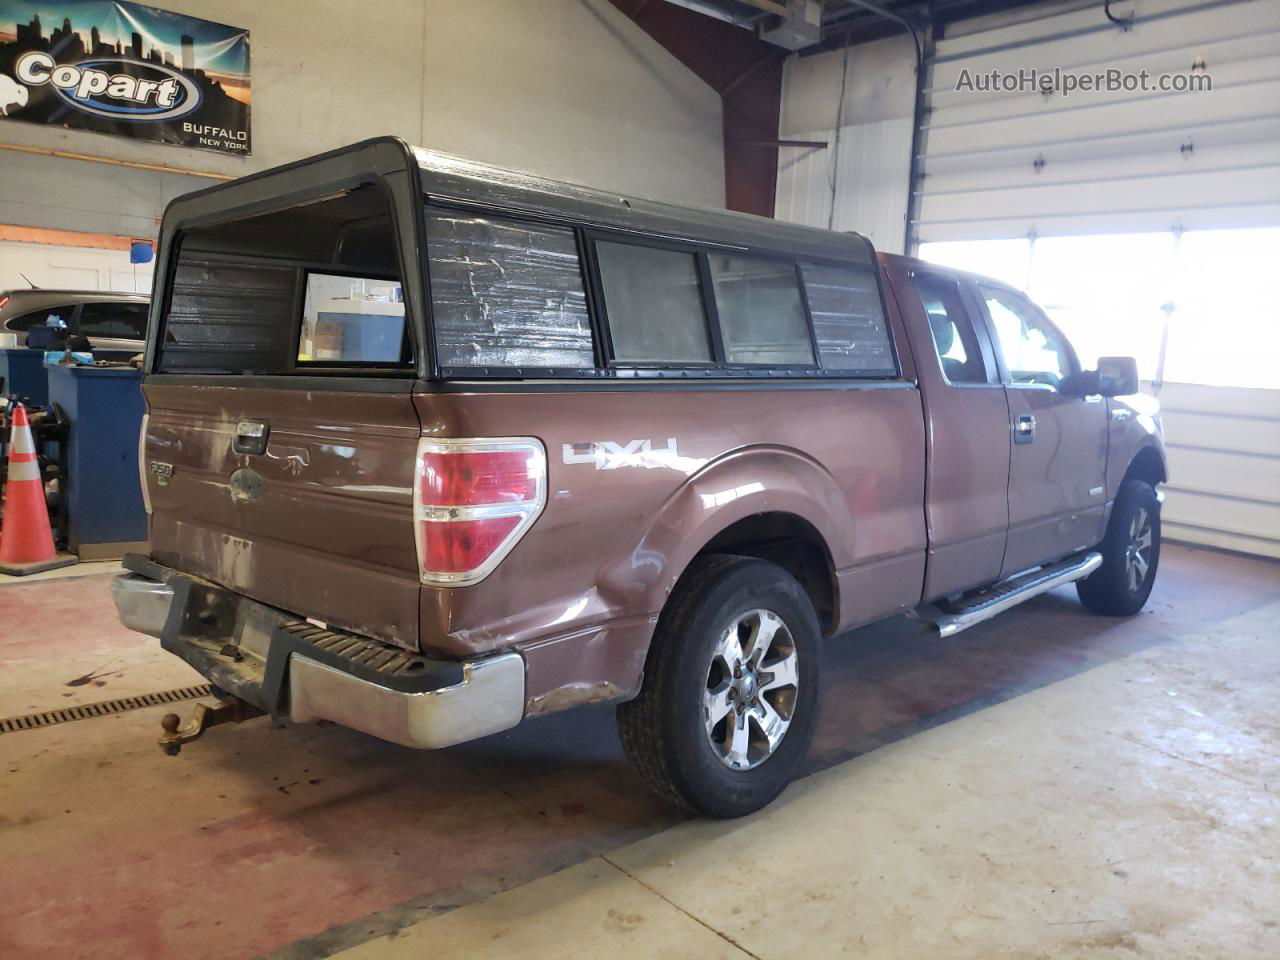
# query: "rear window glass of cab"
{"type": "Point", "coordinates": [513, 294]}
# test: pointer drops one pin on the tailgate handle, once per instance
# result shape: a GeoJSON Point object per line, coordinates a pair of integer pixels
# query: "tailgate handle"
{"type": "Point", "coordinates": [251, 436]}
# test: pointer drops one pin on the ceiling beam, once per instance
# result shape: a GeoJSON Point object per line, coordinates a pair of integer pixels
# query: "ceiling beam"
{"type": "Point", "coordinates": [768, 6]}
{"type": "Point", "coordinates": [747, 74]}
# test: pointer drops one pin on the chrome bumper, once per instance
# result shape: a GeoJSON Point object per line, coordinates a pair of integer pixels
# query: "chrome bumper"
{"type": "Point", "coordinates": [488, 699]}
{"type": "Point", "coordinates": [142, 604]}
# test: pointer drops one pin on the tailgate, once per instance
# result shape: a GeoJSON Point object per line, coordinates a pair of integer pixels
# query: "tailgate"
{"type": "Point", "coordinates": [318, 524]}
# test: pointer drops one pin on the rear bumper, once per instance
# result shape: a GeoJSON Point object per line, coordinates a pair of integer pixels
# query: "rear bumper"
{"type": "Point", "coordinates": [291, 668]}
{"type": "Point", "coordinates": [489, 699]}
{"type": "Point", "coordinates": [142, 604]}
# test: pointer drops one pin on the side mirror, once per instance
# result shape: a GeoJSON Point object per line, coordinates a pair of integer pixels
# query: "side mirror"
{"type": "Point", "coordinates": [1117, 376]}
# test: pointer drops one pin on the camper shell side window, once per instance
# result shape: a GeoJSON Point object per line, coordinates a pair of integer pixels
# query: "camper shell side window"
{"type": "Point", "coordinates": [520, 297]}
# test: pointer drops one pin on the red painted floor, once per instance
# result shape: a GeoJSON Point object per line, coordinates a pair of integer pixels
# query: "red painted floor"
{"type": "Point", "coordinates": [299, 841]}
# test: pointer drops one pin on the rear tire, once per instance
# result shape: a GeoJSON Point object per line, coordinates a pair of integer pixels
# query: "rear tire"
{"type": "Point", "coordinates": [730, 695]}
{"type": "Point", "coordinates": [1130, 554]}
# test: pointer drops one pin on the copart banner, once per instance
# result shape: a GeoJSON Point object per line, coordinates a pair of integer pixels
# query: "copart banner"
{"type": "Point", "coordinates": [126, 69]}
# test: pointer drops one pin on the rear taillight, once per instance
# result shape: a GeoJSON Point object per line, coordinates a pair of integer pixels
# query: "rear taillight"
{"type": "Point", "coordinates": [472, 502]}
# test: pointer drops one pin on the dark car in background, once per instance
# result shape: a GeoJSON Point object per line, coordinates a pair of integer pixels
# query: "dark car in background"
{"type": "Point", "coordinates": [114, 323]}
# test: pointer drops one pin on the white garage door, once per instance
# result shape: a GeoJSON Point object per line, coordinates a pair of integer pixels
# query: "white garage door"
{"type": "Point", "coordinates": [1009, 163]}
{"type": "Point", "coordinates": [1145, 216]}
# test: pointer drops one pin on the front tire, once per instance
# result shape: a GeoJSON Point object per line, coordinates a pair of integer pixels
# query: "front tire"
{"type": "Point", "coordinates": [730, 695]}
{"type": "Point", "coordinates": [1130, 554]}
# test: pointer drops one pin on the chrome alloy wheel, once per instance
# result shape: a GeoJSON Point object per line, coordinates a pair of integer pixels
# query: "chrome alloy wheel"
{"type": "Point", "coordinates": [751, 690]}
{"type": "Point", "coordinates": [1137, 553]}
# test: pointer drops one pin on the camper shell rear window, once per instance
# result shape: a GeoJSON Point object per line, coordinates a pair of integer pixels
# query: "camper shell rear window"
{"type": "Point", "coordinates": [311, 289]}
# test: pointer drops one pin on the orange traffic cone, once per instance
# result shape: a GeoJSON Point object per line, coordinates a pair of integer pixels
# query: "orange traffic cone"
{"type": "Point", "coordinates": [26, 542]}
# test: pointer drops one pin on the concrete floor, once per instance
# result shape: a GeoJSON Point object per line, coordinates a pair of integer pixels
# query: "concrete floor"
{"type": "Point", "coordinates": [1050, 784]}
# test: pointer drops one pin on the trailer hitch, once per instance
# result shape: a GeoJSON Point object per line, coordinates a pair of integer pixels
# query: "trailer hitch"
{"type": "Point", "coordinates": [229, 709]}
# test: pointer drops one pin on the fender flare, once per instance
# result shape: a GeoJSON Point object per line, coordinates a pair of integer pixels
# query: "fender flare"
{"type": "Point", "coordinates": [748, 481]}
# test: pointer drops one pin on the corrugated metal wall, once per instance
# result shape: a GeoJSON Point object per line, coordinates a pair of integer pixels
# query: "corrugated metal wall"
{"type": "Point", "coordinates": [870, 179]}
{"type": "Point", "coordinates": [866, 174]}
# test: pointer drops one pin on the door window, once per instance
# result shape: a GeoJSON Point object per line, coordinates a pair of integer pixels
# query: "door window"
{"type": "Point", "coordinates": [952, 329]}
{"type": "Point", "coordinates": [122, 321]}
{"type": "Point", "coordinates": [1034, 351]}
{"type": "Point", "coordinates": [37, 318]}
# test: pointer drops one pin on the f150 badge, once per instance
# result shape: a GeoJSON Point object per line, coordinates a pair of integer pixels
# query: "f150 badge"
{"type": "Point", "coordinates": [608, 455]}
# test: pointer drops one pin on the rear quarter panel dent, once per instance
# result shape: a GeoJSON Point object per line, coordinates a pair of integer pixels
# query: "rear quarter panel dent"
{"type": "Point", "coordinates": [743, 483]}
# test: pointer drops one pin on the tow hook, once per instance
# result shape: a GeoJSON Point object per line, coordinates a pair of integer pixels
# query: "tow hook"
{"type": "Point", "coordinates": [228, 710]}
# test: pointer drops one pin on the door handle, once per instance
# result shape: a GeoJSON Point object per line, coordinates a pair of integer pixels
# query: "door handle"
{"type": "Point", "coordinates": [251, 437]}
{"type": "Point", "coordinates": [1024, 428]}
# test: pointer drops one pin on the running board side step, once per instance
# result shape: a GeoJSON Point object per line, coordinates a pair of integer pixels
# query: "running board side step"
{"type": "Point", "coordinates": [1010, 593]}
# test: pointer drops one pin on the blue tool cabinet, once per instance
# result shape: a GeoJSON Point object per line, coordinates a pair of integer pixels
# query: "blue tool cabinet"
{"type": "Point", "coordinates": [104, 405]}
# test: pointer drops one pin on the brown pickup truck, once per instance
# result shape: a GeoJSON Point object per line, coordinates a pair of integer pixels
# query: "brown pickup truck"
{"type": "Point", "coordinates": [434, 447]}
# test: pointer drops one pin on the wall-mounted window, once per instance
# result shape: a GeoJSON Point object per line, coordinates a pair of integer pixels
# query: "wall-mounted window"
{"type": "Point", "coordinates": [848, 319]}
{"type": "Point", "coordinates": [1106, 293]}
{"type": "Point", "coordinates": [1225, 325]}
{"type": "Point", "coordinates": [1006, 260]}
{"type": "Point", "coordinates": [1117, 294]}
{"type": "Point", "coordinates": [762, 318]}
{"type": "Point", "coordinates": [506, 293]}
{"type": "Point", "coordinates": [653, 299]}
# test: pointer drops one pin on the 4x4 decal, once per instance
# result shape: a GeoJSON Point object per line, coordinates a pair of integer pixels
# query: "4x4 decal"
{"type": "Point", "coordinates": [607, 455]}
